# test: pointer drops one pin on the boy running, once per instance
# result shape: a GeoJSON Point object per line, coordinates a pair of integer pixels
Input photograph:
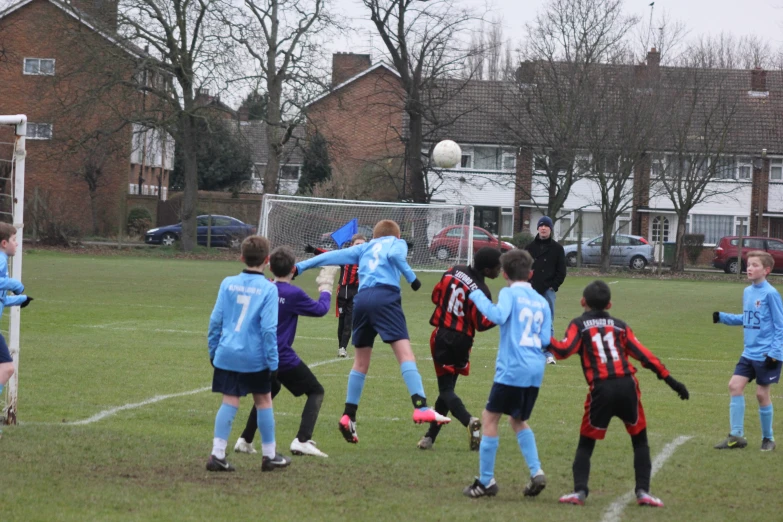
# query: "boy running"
{"type": "Point", "coordinates": [604, 344]}
{"type": "Point", "coordinates": [456, 320]}
{"type": "Point", "coordinates": [243, 350]}
{"type": "Point", "coordinates": [292, 372]}
{"type": "Point", "coordinates": [378, 311]}
{"type": "Point", "coordinates": [525, 322]}
{"type": "Point", "coordinates": [762, 320]}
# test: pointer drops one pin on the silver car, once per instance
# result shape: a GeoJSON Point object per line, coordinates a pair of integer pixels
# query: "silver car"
{"type": "Point", "coordinates": [631, 251]}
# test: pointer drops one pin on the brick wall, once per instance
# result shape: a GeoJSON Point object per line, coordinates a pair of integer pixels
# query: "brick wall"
{"type": "Point", "coordinates": [523, 187]}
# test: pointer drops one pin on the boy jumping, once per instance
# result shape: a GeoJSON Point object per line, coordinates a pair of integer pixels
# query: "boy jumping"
{"type": "Point", "coordinates": [525, 322]}
{"type": "Point", "coordinates": [762, 320]}
{"type": "Point", "coordinates": [378, 311]}
{"type": "Point", "coordinates": [604, 344]}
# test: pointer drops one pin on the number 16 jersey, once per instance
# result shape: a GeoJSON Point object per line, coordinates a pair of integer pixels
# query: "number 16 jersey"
{"type": "Point", "coordinates": [453, 308]}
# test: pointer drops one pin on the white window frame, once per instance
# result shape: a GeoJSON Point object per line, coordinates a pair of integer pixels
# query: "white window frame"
{"type": "Point", "coordinates": [34, 131]}
{"type": "Point", "coordinates": [507, 221]}
{"type": "Point", "coordinates": [732, 170]}
{"type": "Point", "coordinates": [466, 152]}
{"type": "Point", "coordinates": [298, 172]}
{"type": "Point", "coordinates": [744, 161]}
{"type": "Point", "coordinates": [776, 163]}
{"type": "Point", "coordinates": [510, 157]}
{"type": "Point", "coordinates": [38, 68]}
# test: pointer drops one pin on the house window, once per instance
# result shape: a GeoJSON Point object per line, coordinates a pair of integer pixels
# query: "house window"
{"type": "Point", "coordinates": [486, 218]}
{"type": "Point", "coordinates": [289, 172]}
{"type": "Point", "coordinates": [657, 168]}
{"type": "Point", "coordinates": [713, 227]}
{"type": "Point", "coordinates": [39, 66]}
{"type": "Point", "coordinates": [466, 162]}
{"type": "Point", "coordinates": [725, 168]}
{"type": "Point", "coordinates": [776, 170]}
{"type": "Point", "coordinates": [507, 221]}
{"type": "Point", "coordinates": [509, 161]}
{"type": "Point", "coordinates": [39, 131]}
{"type": "Point", "coordinates": [486, 158]}
{"type": "Point", "coordinates": [565, 226]}
{"type": "Point", "coordinates": [741, 228]}
{"type": "Point", "coordinates": [744, 167]}
{"type": "Point", "coordinates": [660, 229]}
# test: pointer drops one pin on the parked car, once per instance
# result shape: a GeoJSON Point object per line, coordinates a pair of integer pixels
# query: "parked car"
{"type": "Point", "coordinates": [449, 241]}
{"type": "Point", "coordinates": [226, 231]}
{"type": "Point", "coordinates": [725, 252]}
{"type": "Point", "coordinates": [631, 251]}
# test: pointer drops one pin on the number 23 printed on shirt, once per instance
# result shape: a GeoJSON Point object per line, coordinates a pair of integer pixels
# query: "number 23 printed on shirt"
{"type": "Point", "coordinates": [531, 327]}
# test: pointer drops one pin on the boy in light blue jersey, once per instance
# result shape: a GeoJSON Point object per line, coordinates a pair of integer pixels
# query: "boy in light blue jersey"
{"type": "Point", "coordinates": [377, 310]}
{"type": "Point", "coordinates": [8, 247]}
{"type": "Point", "coordinates": [243, 350]}
{"type": "Point", "coordinates": [525, 323]}
{"type": "Point", "coordinates": [762, 319]}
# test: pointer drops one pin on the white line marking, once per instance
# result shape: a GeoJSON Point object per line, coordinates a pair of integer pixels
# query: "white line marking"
{"type": "Point", "coordinates": [612, 514]}
{"type": "Point", "coordinates": [612, 282]}
{"type": "Point", "coordinates": [111, 411]}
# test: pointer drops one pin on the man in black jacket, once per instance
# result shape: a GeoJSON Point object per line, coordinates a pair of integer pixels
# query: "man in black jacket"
{"type": "Point", "coordinates": [549, 268]}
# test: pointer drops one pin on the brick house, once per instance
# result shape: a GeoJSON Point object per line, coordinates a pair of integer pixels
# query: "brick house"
{"type": "Point", "coordinates": [363, 115]}
{"type": "Point", "coordinates": [51, 63]}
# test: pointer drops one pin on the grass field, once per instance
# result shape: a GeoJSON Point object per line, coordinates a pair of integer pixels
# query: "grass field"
{"type": "Point", "coordinates": [108, 332]}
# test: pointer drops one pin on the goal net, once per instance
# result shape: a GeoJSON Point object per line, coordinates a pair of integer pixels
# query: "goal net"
{"type": "Point", "coordinates": [297, 221]}
{"type": "Point", "coordinates": [12, 158]}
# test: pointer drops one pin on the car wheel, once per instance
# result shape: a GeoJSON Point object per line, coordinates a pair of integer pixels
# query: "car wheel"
{"type": "Point", "coordinates": [731, 266]}
{"type": "Point", "coordinates": [168, 239]}
{"type": "Point", "coordinates": [442, 253]}
{"type": "Point", "coordinates": [234, 242]}
{"type": "Point", "coordinates": [638, 263]}
{"type": "Point", "coordinates": [571, 259]}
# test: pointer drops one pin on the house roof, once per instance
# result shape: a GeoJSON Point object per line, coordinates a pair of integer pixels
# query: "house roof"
{"type": "Point", "coordinates": [379, 65]}
{"type": "Point", "coordinates": [254, 133]}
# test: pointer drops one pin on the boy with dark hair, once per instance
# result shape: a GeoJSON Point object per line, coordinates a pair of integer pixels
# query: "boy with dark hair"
{"type": "Point", "coordinates": [456, 320]}
{"type": "Point", "coordinates": [762, 319]}
{"type": "Point", "coordinates": [604, 344]}
{"type": "Point", "coordinates": [525, 322]}
{"type": "Point", "coordinates": [378, 311]}
{"type": "Point", "coordinates": [292, 372]}
{"type": "Point", "coordinates": [243, 350]}
{"type": "Point", "coordinates": [8, 246]}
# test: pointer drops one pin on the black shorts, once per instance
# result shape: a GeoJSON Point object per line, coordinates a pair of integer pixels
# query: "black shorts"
{"type": "Point", "coordinates": [512, 400]}
{"type": "Point", "coordinates": [299, 381]}
{"type": "Point", "coordinates": [239, 384]}
{"type": "Point", "coordinates": [450, 351]}
{"type": "Point", "coordinates": [5, 355]}
{"type": "Point", "coordinates": [619, 398]}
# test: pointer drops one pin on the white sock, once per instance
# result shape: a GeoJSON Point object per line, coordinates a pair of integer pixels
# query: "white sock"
{"type": "Point", "coordinates": [269, 450]}
{"type": "Point", "coordinates": [219, 447]}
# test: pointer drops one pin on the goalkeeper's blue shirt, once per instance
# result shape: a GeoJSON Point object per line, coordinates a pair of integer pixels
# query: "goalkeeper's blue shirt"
{"type": "Point", "coordinates": [762, 318]}
{"type": "Point", "coordinates": [243, 325]}
{"type": "Point", "coordinates": [525, 324]}
{"type": "Point", "coordinates": [381, 261]}
{"type": "Point", "coordinates": [9, 284]}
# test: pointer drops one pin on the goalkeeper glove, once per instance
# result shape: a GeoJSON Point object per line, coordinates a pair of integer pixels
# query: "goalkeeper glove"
{"type": "Point", "coordinates": [310, 249]}
{"type": "Point", "coordinates": [715, 317]}
{"type": "Point", "coordinates": [325, 279]}
{"type": "Point", "coordinates": [416, 284]}
{"type": "Point", "coordinates": [26, 302]}
{"type": "Point", "coordinates": [770, 363]}
{"type": "Point", "coordinates": [678, 387]}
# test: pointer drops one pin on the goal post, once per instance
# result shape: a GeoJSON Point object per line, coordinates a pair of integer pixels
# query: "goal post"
{"type": "Point", "coordinates": [13, 130]}
{"type": "Point", "coordinates": [296, 221]}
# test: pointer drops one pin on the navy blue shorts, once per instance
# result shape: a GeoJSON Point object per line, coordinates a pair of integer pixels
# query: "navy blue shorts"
{"type": "Point", "coordinates": [378, 311]}
{"type": "Point", "coordinates": [512, 400]}
{"type": "Point", "coordinates": [5, 355]}
{"type": "Point", "coordinates": [239, 384]}
{"type": "Point", "coordinates": [757, 370]}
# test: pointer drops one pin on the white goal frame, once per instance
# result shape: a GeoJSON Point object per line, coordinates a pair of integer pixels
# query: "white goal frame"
{"type": "Point", "coordinates": [19, 122]}
{"type": "Point", "coordinates": [269, 200]}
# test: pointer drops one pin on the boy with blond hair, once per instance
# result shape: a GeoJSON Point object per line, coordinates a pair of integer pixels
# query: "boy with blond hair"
{"type": "Point", "coordinates": [762, 320]}
{"type": "Point", "coordinates": [378, 311]}
{"type": "Point", "coordinates": [242, 344]}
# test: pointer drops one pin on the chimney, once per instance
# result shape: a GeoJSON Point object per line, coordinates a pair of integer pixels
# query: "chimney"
{"type": "Point", "coordinates": [102, 11]}
{"type": "Point", "coordinates": [758, 80]}
{"type": "Point", "coordinates": [348, 65]}
{"type": "Point", "coordinates": [243, 113]}
{"type": "Point", "coordinates": [653, 59]}
{"type": "Point", "coordinates": [526, 73]}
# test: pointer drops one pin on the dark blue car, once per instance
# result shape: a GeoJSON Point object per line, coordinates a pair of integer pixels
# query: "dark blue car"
{"type": "Point", "coordinates": [226, 232]}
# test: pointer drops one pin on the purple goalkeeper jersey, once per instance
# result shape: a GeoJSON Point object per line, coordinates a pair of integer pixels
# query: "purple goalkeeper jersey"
{"type": "Point", "coordinates": [293, 302]}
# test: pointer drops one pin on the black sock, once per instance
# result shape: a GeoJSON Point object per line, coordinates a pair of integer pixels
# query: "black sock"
{"type": "Point", "coordinates": [641, 460]}
{"type": "Point", "coordinates": [581, 466]}
{"type": "Point", "coordinates": [418, 401]}
{"type": "Point", "coordinates": [350, 410]}
{"type": "Point", "coordinates": [251, 426]}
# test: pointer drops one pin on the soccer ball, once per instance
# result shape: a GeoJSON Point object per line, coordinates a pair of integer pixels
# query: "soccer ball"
{"type": "Point", "coordinates": [446, 154]}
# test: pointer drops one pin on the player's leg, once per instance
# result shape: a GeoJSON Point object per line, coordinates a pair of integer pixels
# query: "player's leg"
{"type": "Point", "coordinates": [223, 421]}
{"type": "Point", "coordinates": [301, 381]}
{"type": "Point", "coordinates": [342, 326]}
{"type": "Point", "coordinates": [743, 374]}
{"type": "Point", "coordinates": [581, 471]}
{"type": "Point", "coordinates": [245, 442]}
{"type": "Point", "coordinates": [260, 385]}
{"type": "Point", "coordinates": [484, 484]}
{"type": "Point", "coordinates": [526, 400]}
{"type": "Point", "coordinates": [6, 364]}
{"type": "Point", "coordinates": [446, 382]}
{"type": "Point", "coordinates": [347, 317]}
{"type": "Point", "coordinates": [356, 379]}
{"type": "Point", "coordinates": [765, 417]}
{"type": "Point", "coordinates": [410, 374]}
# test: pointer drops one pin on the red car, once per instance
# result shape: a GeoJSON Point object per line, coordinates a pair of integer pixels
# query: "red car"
{"type": "Point", "coordinates": [451, 240]}
{"type": "Point", "coordinates": [726, 251]}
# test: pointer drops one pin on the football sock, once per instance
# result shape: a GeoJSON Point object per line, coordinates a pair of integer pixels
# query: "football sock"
{"type": "Point", "coordinates": [440, 407]}
{"type": "Point", "coordinates": [737, 415]}
{"type": "Point", "coordinates": [412, 378]}
{"type": "Point", "coordinates": [527, 443]}
{"type": "Point", "coordinates": [251, 426]}
{"type": "Point", "coordinates": [355, 387]}
{"type": "Point", "coordinates": [266, 427]}
{"type": "Point", "coordinates": [581, 466]}
{"type": "Point", "coordinates": [223, 420]}
{"type": "Point", "coordinates": [310, 416]}
{"type": "Point", "coordinates": [487, 452]}
{"type": "Point", "coordinates": [219, 447]}
{"type": "Point", "coordinates": [641, 460]}
{"type": "Point", "coordinates": [350, 410]}
{"type": "Point", "coordinates": [765, 415]}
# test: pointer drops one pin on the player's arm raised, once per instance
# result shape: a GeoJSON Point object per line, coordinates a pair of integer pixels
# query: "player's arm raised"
{"type": "Point", "coordinates": [346, 256]}
{"type": "Point", "coordinates": [497, 313]}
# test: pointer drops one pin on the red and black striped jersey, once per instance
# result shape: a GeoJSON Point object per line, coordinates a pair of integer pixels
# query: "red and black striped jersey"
{"type": "Point", "coordinates": [604, 344]}
{"type": "Point", "coordinates": [453, 308]}
{"type": "Point", "coordinates": [349, 274]}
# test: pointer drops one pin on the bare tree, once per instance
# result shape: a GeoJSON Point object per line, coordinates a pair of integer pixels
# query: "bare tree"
{"type": "Point", "coordinates": [725, 51]}
{"type": "Point", "coordinates": [663, 33]}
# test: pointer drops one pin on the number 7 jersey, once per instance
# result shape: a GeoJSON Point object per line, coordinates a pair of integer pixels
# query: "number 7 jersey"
{"type": "Point", "coordinates": [604, 344]}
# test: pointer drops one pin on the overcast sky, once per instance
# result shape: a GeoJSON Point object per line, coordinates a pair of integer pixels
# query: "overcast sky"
{"type": "Point", "coordinates": [739, 17]}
